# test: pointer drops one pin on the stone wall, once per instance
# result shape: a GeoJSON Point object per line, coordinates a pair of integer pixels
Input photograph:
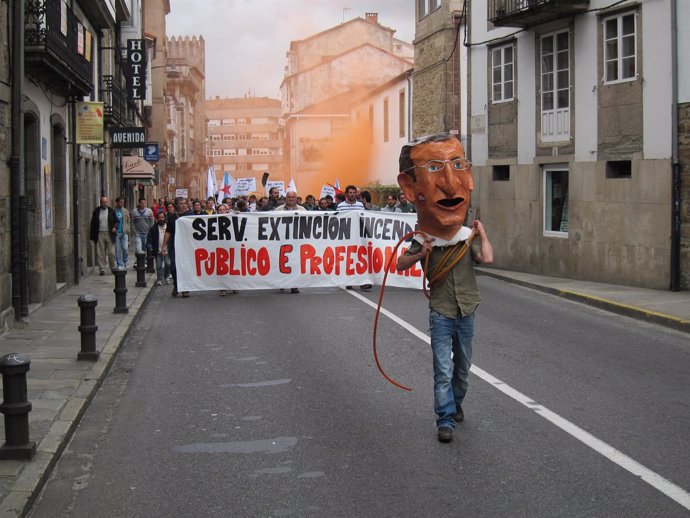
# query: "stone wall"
{"type": "Point", "coordinates": [614, 224]}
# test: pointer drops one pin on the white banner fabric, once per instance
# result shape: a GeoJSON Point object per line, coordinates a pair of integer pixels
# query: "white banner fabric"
{"type": "Point", "coordinates": [264, 250]}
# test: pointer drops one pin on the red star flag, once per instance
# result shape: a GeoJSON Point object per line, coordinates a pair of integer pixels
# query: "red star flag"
{"type": "Point", "coordinates": [228, 188]}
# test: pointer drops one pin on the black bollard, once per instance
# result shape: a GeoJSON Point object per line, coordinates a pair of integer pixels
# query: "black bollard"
{"type": "Point", "coordinates": [88, 328]}
{"type": "Point", "coordinates": [150, 262]}
{"type": "Point", "coordinates": [16, 408]}
{"type": "Point", "coordinates": [120, 290]}
{"type": "Point", "coordinates": [141, 270]}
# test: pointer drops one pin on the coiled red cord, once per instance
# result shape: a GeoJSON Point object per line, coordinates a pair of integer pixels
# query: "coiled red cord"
{"type": "Point", "coordinates": [447, 262]}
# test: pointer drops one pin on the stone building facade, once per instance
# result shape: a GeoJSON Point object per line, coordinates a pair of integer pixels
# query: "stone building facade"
{"type": "Point", "coordinates": [573, 148]}
{"type": "Point", "coordinates": [186, 123]}
{"type": "Point", "coordinates": [326, 73]}
{"type": "Point", "coordinates": [439, 59]}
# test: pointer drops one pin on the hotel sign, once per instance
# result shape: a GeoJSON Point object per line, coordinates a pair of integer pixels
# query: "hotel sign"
{"type": "Point", "coordinates": [136, 69]}
{"type": "Point", "coordinates": [128, 137]}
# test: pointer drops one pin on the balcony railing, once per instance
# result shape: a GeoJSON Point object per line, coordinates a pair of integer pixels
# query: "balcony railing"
{"type": "Point", "coordinates": [114, 98]}
{"type": "Point", "coordinates": [523, 13]}
{"type": "Point", "coordinates": [54, 40]}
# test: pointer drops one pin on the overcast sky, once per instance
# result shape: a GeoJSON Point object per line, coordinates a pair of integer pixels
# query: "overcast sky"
{"type": "Point", "coordinates": [246, 40]}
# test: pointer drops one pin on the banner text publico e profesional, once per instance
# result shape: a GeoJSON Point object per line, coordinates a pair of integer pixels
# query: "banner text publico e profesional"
{"type": "Point", "coordinates": [291, 250]}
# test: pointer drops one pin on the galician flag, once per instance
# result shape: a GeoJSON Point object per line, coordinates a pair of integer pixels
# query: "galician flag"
{"type": "Point", "coordinates": [228, 189]}
{"type": "Point", "coordinates": [211, 186]}
{"type": "Point", "coordinates": [292, 186]}
{"type": "Point", "coordinates": [336, 185]}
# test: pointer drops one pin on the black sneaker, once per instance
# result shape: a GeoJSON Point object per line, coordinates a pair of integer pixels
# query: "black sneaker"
{"type": "Point", "coordinates": [174, 292]}
{"type": "Point", "coordinates": [294, 290]}
{"type": "Point", "coordinates": [459, 415]}
{"type": "Point", "coordinates": [365, 286]}
{"type": "Point", "coordinates": [445, 434]}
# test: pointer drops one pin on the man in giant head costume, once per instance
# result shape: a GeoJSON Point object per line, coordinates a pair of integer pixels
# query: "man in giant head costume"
{"type": "Point", "coordinates": [437, 178]}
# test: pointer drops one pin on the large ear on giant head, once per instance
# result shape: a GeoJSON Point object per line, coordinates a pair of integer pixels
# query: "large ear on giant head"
{"type": "Point", "coordinates": [406, 183]}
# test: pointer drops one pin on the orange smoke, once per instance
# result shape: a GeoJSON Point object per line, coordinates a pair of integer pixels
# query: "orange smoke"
{"type": "Point", "coordinates": [347, 158]}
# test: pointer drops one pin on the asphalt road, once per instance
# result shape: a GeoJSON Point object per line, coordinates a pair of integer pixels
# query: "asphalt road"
{"type": "Point", "coordinates": [270, 404]}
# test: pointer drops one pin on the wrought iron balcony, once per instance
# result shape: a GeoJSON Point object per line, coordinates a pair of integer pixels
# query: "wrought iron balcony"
{"type": "Point", "coordinates": [115, 103]}
{"type": "Point", "coordinates": [57, 47]}
{"type": "Point", "coordinates": [523, 13]}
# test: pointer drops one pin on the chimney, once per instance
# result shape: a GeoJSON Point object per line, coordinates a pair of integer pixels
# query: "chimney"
{"type": "Point", "coordinates": [372, 17]}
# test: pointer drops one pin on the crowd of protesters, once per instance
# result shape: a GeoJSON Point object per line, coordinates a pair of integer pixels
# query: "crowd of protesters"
{"type": "Point", "coordinates": [153, 229]}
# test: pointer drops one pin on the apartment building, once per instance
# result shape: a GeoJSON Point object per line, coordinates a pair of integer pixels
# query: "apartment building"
{"type": "Point", "coordinates": [244, 139]}
{"type": "Point", "coordinates": [579, 137]}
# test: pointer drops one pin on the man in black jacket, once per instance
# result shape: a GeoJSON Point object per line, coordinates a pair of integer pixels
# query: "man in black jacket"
{"type": "Point", "coordinates": [102, 233]}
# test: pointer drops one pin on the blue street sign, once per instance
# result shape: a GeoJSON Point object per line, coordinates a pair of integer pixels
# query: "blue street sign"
{"type": "Point", "coordinates": [151, 152]}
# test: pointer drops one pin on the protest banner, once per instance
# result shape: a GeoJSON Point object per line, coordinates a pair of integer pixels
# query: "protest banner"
{"type": "Point", "coordinates": [279, 184]}
{"type": "Point", "coordinates": [291, 250]}
{"type": "Point", "coordinates": [246, 186]}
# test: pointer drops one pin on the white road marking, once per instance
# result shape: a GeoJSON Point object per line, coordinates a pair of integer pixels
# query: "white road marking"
{"type": "Point", "coordinates": [655, 480]}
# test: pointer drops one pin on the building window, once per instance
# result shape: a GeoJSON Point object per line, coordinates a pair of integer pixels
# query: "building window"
{"type": "Point", "coordinates": [501, 173]}
{"type": "Point", "coordinates": [618, 169]}
{"type": "Point", "coordinates": [241, 167]}
{"type": "Point", "coordinates": [427, 6]}
{"type": "Point", "coordinates": [215, 137]}
{"type": "Point", "coordinates": [620, 48]}
{"type": "Point", "coordinates": [229, 152]}
{"type": "Point", "coordinates": [216, 152]}
{"type": "Point", "coordinates": [556, 200]}
{"type": "Point", "coordinates": [385, 119]}
{"type": "Point", "coordinates": [241, 136]}
{"type": "Point", "coordinates": [214, 122]}
{"type": "Point", "coordinates": [502, 74]}
{"type": "Point", "coordinates": [555, 87]}
{"type": "Point", "coordinates": [229, 136]}
{"type": "Point", "coordinates": [401, 114]}
{"type": "Point", "coordinates": [228, 122]}
{"type": "Point", "coordinates": [241, 122]}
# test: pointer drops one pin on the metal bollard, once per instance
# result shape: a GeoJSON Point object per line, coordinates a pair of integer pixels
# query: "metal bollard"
{"type": "Point", "coordinates": [141, 270]}
{"type": "Point", "coordinates": [16, 408]}
{"type": "Point", "coordinates": [88, 328]}
{"type": "Point", "coordinates": [120, 290]}
{"type": "Point", "coordinates": [150, 262]}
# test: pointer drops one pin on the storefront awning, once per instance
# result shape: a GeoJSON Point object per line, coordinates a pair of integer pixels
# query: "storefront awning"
{"type": "Point", "coordinates": [136, 168]}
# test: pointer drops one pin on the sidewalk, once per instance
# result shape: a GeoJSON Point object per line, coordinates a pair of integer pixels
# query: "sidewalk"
{"type": "Point", "coordinates": [668, 308]}
{"type": "Point", "coordinates": [60, 387]}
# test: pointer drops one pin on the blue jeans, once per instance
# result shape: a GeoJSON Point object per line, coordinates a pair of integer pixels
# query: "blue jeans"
{"type": "Point", "coordinates": [140, 243]}
{"type": "Point", "coordinates": [451, 373]}
{"type": "Point", "coordinates": [121, 249]}
{"type": "Point", "coordinates": [162, 267]}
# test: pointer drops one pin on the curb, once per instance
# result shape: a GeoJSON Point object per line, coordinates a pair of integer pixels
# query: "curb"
{"type": "Point", "coordinates": [608, 305]}
{"type": "Point", "coordinates": [35, 473]}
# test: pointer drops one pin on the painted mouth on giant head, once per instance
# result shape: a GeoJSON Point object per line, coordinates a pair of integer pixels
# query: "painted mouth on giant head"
{"type": "Point", "coordinates": [450, 202]}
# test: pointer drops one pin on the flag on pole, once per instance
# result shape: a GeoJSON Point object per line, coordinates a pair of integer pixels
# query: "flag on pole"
{"type": "Point", "coordinates": [292, 186]}
{"type": "Point", "coordinates": [211, 182]}
{"type": "Point", "coordinates": [228, 189]}
{"type": "Point", "coordinates": [336, 190]}
{"type": "Point", "coordinates": [336, 185]}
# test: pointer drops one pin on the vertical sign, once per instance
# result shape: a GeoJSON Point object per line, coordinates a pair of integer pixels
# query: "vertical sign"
{"type": "Point", "coordinates": [136, 69]}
